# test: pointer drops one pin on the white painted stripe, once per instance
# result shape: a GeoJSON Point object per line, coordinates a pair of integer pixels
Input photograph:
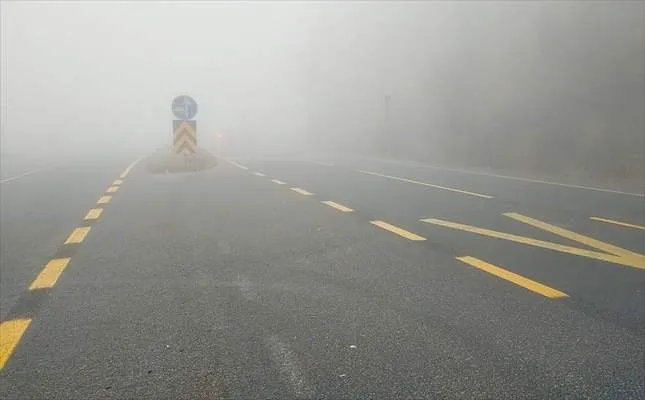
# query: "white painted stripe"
{"type": "Point", "coordinates": [516, 178]}
{"type": "Point", "coordinates": [235, 164]}
{"type": "Point", "coordinates": [12, 178]}
{"type": "Point", "coordinates": [398, 178]}
{"type": "Point", "coordinates": [302, 191]}
{"type": "Point", "coordinates": [290, 371]}
{"type": "Point", "coordinates": [561, 184]}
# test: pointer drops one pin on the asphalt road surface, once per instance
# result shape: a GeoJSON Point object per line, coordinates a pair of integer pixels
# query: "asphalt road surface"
{"type": "Point", "coordinates": [330, 278]}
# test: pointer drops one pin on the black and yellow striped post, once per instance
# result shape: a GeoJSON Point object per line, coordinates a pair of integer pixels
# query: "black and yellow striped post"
{"type": "Point", "coordinates": [184, 137]}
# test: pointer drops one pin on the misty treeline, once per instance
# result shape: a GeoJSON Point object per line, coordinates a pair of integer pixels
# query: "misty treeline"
{"type": "Point", "coordinates": [537, 87]}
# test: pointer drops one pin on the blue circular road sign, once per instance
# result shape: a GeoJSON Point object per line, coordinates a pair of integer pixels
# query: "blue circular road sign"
{"type": "Point", "coordinates": [184, 107]}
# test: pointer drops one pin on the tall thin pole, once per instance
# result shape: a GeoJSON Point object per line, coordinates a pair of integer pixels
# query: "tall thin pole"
{"type": "Point", "coordinates": [387, 108]}
{"type": "Point", "coordinates": [386, 128]}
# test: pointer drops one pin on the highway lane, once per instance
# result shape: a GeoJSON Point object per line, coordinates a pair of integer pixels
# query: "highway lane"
{"type": "Point", "coordinates": [621, 202]}
{"type": "Point", "coordinates": [241, 283]}
{"type": "Point", "coordinates": [605, 214]}
{"type": "Point", "coordinates": [605, 289]}
{"type": "Point", "coordinates": [40, 203]}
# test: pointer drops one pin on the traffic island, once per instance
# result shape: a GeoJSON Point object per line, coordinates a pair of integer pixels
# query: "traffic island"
{"type": "Point", "coordinates": [168, 162]}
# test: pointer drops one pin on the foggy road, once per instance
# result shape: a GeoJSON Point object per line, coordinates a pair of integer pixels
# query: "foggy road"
{"type": "Point", "coordinates": [317, 277]}
{"type": "Point", "coordinates": [322, 200]}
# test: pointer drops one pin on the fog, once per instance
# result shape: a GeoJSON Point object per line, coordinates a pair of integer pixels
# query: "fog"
{"type": "Point", "coordinates": [81, 75]}
{"type": "Point", "coordinates": [526, 86]}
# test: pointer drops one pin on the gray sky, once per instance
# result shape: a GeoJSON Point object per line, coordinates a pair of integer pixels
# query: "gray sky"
{"type": "Point", "coordinates": [485, 82]}
{"type": "Point", "coordinates": [89, 74]}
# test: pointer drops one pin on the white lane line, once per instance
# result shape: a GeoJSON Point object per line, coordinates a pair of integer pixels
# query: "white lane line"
{"type": "Point", "coordinates": [290, 371]}
{"type": "Point", "coordinates": [563, 184]}
{"type": "Point", "coordinates": [12, 178]}
{"type": "Point", "coordinates": [235, 164]}
{"type": "Point", "coordinates": [301, 191]}
{"type": "Point", "coordinates": [517, 178]}
{"type": "Point", "coordinates": [398, 178]}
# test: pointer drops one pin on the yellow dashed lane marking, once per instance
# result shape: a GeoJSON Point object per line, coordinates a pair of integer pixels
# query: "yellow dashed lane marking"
{"type": "Point", "coordinates": [104, 200]}
{"type": "Point", "coordinates": [49, 275]}
{"type": "Point", "coordinates": [337, 206]}
{"type": "Point", "coordinates": [539, 243]}
{"type": "Point", "coordinates": [513, 277]}
{"type": "Point", "coordinates": [397, 230]}
{"type": "Point", "coordinates": [279, 182]}
{"type": "Point", "coordinates": [484, 196]}
{"type": "Point", "coordinates": [611, 221]}
{"type": "Point", "coordinates": [94, 213]}
{"type": "Point", "coordinates": [127, 170]}
{"type": "Point", "coordinates": [10, 334]}
{"type": "Point", "coordinates": [301, 191]}
{"type": "Point", "coordinates": [78, 235]}
{"type": "Point", "coordinates": [258, 174]}
{"type": "Point", "coordinates": [125, 173]}
{"type": "Point", "coordinates": [556, 230]}
{"type": "Point", "coordinates": [12, 331]}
